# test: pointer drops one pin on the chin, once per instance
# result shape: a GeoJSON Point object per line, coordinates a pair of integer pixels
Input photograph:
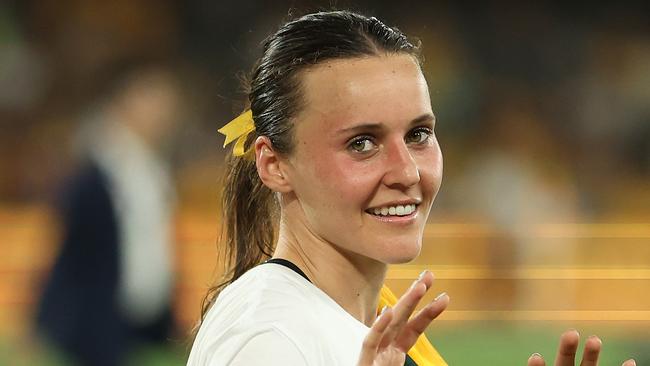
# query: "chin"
{"type": "Point", "coordinates": [403, 254]}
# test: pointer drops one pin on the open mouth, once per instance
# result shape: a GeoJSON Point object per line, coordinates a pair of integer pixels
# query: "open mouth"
{"type": "Point", "coordinates": [388, 211]}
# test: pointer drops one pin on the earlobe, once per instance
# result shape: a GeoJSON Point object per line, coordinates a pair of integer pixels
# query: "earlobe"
{"type": "Point", "coordinates": [269, 166]}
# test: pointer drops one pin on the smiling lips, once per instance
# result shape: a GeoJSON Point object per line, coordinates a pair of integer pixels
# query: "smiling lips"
{"type": "Point", "coordinates": [398, 210]}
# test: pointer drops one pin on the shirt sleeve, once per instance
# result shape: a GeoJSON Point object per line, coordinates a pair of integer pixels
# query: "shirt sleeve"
{"type": "Point", "coordinates": [271, 348]}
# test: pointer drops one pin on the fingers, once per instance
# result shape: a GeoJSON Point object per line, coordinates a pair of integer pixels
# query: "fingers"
{"type": "Point", "coordinates": [591, 352]}
{"type": "Point", "coordinates": [419, 323]}
{"type": "Point", "coordinates": [566, 353]}
{"type": "Point", "coordinates": [374, 337]}
{"type": "Point", "coordinates": [536, 360]}
{"type": "Point", "coordinates": [423, 318]}
{"type": "Point", "coordinates": [426, 278]}
{"type": "Point", "coordinates": [406, 305]}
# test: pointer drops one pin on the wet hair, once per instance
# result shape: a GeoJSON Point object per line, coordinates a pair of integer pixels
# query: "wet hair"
{"type": "Point", "coordinates": [250, 210]}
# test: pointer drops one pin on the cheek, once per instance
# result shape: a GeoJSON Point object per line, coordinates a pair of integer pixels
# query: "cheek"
{"type": "Point", "coordinates": [437, 166]}
{"type": "Point", "coordinates": [431, 168]}
{"type": "Point", "coordinates": [348, 182]}
{"type": "Point", "coordinates": [331, 180]}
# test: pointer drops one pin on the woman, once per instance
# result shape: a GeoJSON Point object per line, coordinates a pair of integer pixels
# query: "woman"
{"type": "Point", "coordinates": [338, 154]}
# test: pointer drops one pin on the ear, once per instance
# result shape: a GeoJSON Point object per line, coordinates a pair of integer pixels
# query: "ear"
{"type": "Point", "coordinates": [270, 166]}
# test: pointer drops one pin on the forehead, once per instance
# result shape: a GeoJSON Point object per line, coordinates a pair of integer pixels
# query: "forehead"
{"type": "Point", "coordinates": [370, 89]}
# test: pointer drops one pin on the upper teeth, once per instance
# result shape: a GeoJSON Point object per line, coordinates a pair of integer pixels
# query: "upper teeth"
{"type": "Point", "coordinates": [401, 210]}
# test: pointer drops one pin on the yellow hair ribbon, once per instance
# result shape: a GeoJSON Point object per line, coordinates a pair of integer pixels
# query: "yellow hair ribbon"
{"type": "Point", "coordinates": [422, 351]}
{"type": "Point", "coordinates": [238, 129]}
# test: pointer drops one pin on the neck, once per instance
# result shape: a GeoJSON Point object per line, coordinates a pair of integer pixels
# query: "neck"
{"type": "Point", "coordinates": [352, 280]}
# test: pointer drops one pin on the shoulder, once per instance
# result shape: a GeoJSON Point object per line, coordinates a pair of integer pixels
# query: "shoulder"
{"type": "Point", "coordinates": [261, 291]}
{"type": "Point", "coordinates": [271, 300]}
{"type": "Point", "coordinates": [267, 295]}
{"type": "Point", "coordinates": [87, 191]}
{"type": "Point", "coordinates": [271, 347]}
{"type": "Point", "coordinates": [267, 305]}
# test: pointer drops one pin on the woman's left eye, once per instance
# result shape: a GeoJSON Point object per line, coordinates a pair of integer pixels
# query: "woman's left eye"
{"type": "Point", "coordinates": [362, 144]}
{"type": "Point", "coordinates": [418, 135]}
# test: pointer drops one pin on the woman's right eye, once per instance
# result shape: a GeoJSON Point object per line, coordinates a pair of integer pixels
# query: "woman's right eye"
{"type": "Point", "coordinates": [362, 144]}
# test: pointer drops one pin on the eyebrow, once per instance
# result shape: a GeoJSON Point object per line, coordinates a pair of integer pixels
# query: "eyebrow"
{"type": "Point", "coordinates": [378, 125]}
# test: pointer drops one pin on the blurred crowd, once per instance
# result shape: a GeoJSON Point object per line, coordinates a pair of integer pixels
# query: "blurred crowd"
{"type": "Point", "coordinates": [554, 93]}
{"type": "Point", "coordinates": [543, 115]}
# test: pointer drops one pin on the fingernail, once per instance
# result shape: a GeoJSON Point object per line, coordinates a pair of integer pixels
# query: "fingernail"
{"type": "Point", "coordinates": [595, 338]}
{"type": "Point", "coordinates": [535, 355]}
{"type": "Point", "coordinates": [422, 274]}
{"type": "Point", "coordinates": [440, 296]}
{"type": "Point", "coordinates": [633, 361]}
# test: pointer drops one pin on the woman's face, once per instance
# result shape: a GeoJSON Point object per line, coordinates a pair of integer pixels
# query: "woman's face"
{"type": "Point", "coordinates": [365, 156]}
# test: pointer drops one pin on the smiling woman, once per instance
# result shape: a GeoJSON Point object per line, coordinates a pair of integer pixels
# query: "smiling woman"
{"type": "Point", "coordinates": [333, 175]}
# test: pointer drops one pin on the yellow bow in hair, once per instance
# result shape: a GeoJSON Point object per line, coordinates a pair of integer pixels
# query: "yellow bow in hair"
{"type": "Point", "coordinates": [238, 129]}
{"type": "Point", "coordinates": [422, 351]}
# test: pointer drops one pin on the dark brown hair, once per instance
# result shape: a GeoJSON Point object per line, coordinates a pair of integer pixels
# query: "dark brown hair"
{"type": "Point", "coordinates": [250, 211]}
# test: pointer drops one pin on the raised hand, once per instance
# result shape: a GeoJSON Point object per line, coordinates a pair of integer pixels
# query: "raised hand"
{"type": "Point", "coordinates": [395, 331]}
{"type": "Point", "coordinates": [568, 348]}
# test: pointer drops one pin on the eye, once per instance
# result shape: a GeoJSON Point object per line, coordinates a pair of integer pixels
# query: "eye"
{"type": "Point", "coordinates": [418, 135]}
{"type": "Point", "coordinates": [361, 144]}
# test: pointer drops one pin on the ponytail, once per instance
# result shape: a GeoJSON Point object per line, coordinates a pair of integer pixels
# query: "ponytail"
{"type": "Point", "coordinates": [249, 213]}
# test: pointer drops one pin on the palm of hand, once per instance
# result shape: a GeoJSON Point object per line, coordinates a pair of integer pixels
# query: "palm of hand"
{"type": "Point", "coordinates": [389, 356]}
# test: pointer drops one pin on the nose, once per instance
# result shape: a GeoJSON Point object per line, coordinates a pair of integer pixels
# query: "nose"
{"type": "Point", "coordinates": [402, 170]}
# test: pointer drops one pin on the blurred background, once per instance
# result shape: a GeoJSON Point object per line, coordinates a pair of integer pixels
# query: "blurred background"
{"type": "Point", "coordinates": [108, 119]}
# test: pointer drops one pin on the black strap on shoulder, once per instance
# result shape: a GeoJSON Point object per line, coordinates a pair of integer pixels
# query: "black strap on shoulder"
{"type": "Point", "coordinates": [409, 361]}
{"type": "Point", "coordinates": [288, 264]}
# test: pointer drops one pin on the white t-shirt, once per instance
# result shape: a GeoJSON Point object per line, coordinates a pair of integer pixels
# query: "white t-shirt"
{"type": "Point", "coordinates": [273, 316]}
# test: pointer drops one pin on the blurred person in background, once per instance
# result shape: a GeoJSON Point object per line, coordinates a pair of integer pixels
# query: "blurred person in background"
{"type": "Point", "coordinates": [110, 286]}
{"type": "Point", "coordinates": [516, 182]}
